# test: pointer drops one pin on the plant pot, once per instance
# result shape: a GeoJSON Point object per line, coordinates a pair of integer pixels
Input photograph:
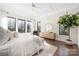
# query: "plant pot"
{"type": "Point", "coordinates": [69, 42]}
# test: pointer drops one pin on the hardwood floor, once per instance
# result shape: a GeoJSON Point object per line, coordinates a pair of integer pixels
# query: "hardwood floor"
{"type": "Point", "coordinates": [64, 49]}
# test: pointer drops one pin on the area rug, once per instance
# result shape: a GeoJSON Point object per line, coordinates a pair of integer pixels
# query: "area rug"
{"type": "Point", "coordinates": [48, 50]}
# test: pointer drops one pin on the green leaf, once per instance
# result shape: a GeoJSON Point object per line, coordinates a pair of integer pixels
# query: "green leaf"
{"type": "Point", "coordinates": [69, 20]}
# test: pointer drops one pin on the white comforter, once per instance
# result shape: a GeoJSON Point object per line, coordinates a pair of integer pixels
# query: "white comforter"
{"type": "Point", "coordinates": [26, 44]}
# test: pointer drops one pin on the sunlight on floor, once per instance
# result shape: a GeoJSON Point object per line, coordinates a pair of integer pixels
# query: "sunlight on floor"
{"type": "Point", "coordinates": [45, 43]}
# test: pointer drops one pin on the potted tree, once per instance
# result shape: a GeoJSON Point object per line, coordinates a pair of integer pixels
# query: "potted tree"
{"type": "Point", "coordinates": [69, 21]}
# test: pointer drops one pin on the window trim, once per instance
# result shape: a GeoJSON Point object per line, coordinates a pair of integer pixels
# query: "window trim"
{"type": "Point", "coordinates": [15, 22]}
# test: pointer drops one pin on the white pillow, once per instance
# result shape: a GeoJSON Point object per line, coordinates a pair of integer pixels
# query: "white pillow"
{"type": "Point", "coordinates": [11, 36]}
{"type": "Point", "coordinates": [15, 34]}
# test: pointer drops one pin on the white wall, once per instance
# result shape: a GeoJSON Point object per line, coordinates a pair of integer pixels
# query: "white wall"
{"type": "Point", "coordinates": [74, 35]}
{"type": "Point", "coordinates": [3, 20]}
{"type": "Point", "coordinates": [78, 37]}
{"type": "Point", "coordinates": [0, 17]}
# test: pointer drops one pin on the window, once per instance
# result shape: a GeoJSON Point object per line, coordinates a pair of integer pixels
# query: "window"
{"type": "Point", "coordinates": [12, 24]}
{"type": "Point", "coordinates": [63, 31]}
{"type": "Point", "coordinates": [21, 25]}
{"type": "Point", "coordinates": [28, 26]}
{"type": "Point", "coordinates": [39, 26]}
{"type": "Point", "coordinates": [49, 27]}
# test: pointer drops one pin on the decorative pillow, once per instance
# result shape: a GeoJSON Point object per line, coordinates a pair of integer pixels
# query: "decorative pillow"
{"type": "Point", "coordinates": [10, 35]}
{"type": "Point", "coordinates": [15, 34]}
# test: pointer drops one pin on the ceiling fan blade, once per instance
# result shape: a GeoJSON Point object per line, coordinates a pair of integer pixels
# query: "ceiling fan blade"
{"type": "Point", "coordinates": [33, 5]}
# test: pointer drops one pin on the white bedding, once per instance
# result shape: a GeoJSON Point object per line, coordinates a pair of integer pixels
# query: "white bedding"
{"type": "Point", "coordinates": [24, 45]}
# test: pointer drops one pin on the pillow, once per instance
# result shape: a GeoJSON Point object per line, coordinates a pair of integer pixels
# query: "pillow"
{"type": "Point", "coordinates": [12, 34]}
{"type": "Point", "coordinates": [15, 34]}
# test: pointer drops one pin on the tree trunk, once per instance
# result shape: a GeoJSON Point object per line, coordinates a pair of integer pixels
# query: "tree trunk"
{"type": "Point", "coordinates": [70, 34]}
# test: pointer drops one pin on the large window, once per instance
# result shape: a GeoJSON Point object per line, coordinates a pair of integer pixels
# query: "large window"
{"type": "Point", "coordinates": [49, 27]}
{"type": "Point", "coordinates": [39, 26]}
{"type": "Point", "coordinates": [21, 25]}
{"type": "Point", "coordinates": [12, 24]}
{"type": "Point", "coordinates": [63, 31]}
{"type": "Point", "coordinates": [29, 26]}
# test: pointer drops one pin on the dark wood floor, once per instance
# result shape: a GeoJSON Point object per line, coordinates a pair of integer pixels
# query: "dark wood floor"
{"type": "Point", "coordinates": [63, 48]}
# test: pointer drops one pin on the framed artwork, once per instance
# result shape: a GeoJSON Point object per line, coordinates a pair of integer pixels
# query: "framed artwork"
{"type": "Point", "coordinates": [63, 31]}
{"type": "Point", "coordinates": [38, 26]}
{"type": "Point", "coordinates": [21, 25]}
{"type": "Point", "coordinates": [12, 24]}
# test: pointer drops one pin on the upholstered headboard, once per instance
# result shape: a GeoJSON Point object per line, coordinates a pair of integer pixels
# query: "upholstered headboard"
{"type": "Point", "coordinates": [4, 36]}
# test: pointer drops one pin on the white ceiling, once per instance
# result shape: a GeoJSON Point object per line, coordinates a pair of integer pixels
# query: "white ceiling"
{"type": "Point", "coordinates": [41, 9]}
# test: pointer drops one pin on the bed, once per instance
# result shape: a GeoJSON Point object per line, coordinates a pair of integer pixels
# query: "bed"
{"type": "Point", "coordinates": [25, 44]}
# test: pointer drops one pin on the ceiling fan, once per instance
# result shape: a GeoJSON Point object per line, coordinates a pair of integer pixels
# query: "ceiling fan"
{"type": "Point", "coordinates": [35, 5]}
